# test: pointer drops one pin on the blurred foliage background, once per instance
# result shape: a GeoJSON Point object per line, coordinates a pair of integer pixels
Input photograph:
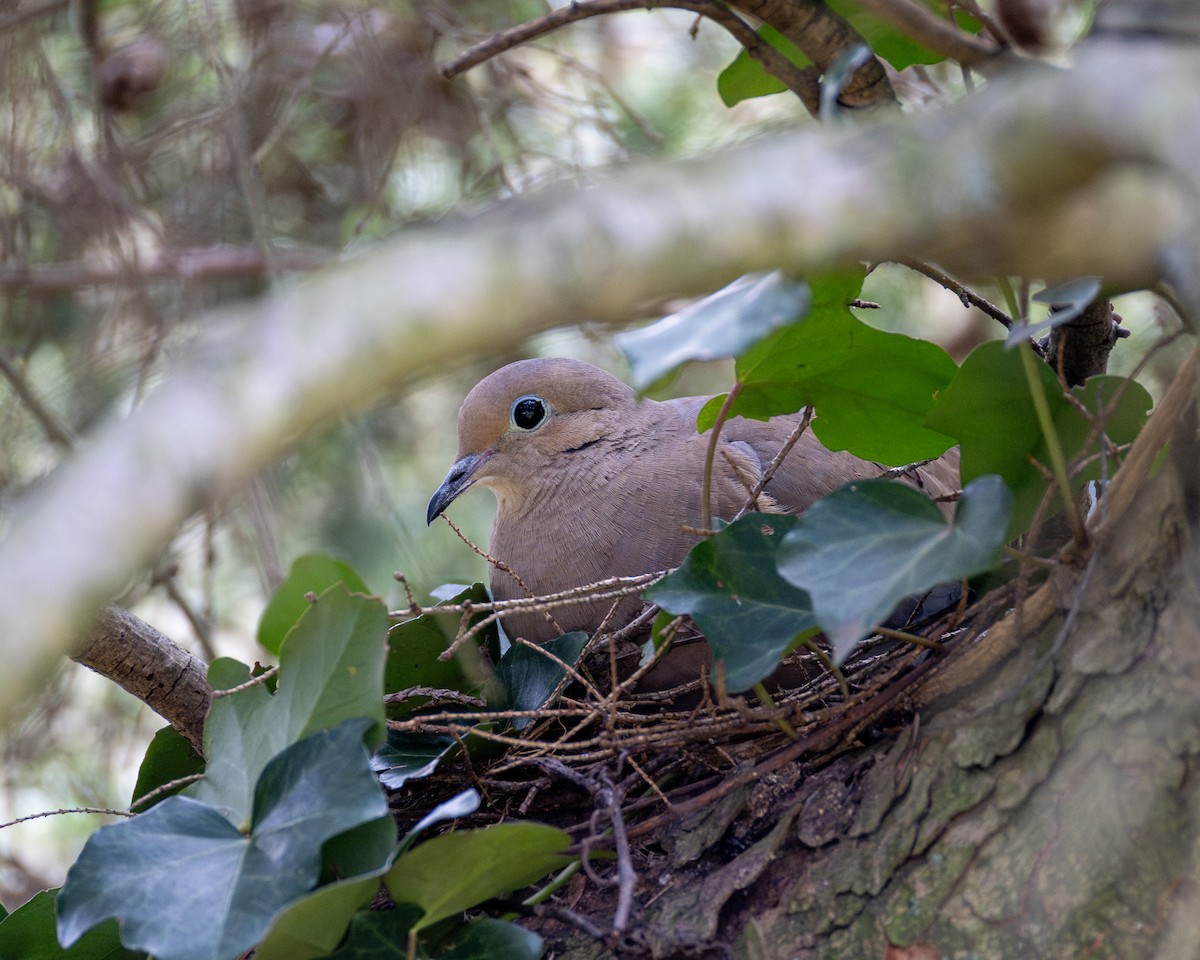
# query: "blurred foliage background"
{"type": "Point", "coordinates": [159, 159]}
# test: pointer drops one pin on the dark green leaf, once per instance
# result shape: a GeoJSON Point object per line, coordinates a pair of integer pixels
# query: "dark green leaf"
{"type": "Point", "coordinates": [331, 669]}
{"type": "Point", "coordinates": [720, 325]}
{"type": "Point", "coordinates": [746, 77]}
{"type": "Point", "coordinates": [489, 939]}
{"type": "Point", "coordinates": [868, 545]}
{"type": "Point", "coordinates": [310, 574]}
{"type": "Point", "coordinates": [988, 409]}
{"type": "Point", "coordinates": [871, 390]}
{"type": "Point", "coordinates": [360, 852]}
{"type": "Point", "coordinates": [748, 613]}
{"type": "Point", "coordinates": [380, 935]}
{"type": "Point", "coordinates": [415, 645]}
{"type": "Point", "coordinates": [28, 934]}
{"type": "Point", "coordinates": [527, 677]}
{"type": "Point", "coordinates": [186, 884]}
{"type": "Point", "coordinates": [407, 756]}
{"type": "Point", "coordinates": [451, 873]}
{"type": "Point", "coordinates": [169, 757]}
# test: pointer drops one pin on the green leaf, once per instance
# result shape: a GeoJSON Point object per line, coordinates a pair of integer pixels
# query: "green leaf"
{"type": "Point", "coordinates": [723, 324]}
{"type": "Point", "coordinates": [451, 873]}
{"type": "Point", "coordinates": [28, 934]}
{"type": "Point", "coordinates": [868, 545]}
{"type": "Point", "coordinates": [415, 645]}
{"type": "Point", "coordinates": [886, 41]}
{"type": "Point", "coordinates": [746, 77]}
{"type": "Point", "coordinates": [311, 574]}
{"type": "Point", "coordinates": [409, 756]}
{"type": "Point", "coordinates": [314, 925]}
{"type": "Point", "coordinates": [379, 935]}
{"type": "Point", "coordinates": [748, 613]}
{"type": "Point", "coordinates": [988, 409]}
{"type": "Point", "coordinates": [871, 390]}
{"type": "Point", "coordinates": [460, 805]}
{"type": "Point", "coordinates": [490, 939]}
{"type": "Point", "coordinates": [186, 884]}
{"type": "Point", "coordinates": [331, 669]}
{"type": "Point", "coordinates": [526, 677]}
{"type": "Point", "coordinates": [168, 757]}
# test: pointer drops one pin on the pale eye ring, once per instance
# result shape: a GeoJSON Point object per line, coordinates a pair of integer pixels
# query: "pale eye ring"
{"type": "Point", "coordinates": [528, 413]}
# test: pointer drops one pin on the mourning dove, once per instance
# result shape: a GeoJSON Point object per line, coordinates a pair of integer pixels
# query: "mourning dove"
{"type": "Point", "coordinates": [593, 482]}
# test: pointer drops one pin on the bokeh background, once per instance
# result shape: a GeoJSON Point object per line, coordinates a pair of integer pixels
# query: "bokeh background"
{"type": "Point", "coordinates": [159, 159]}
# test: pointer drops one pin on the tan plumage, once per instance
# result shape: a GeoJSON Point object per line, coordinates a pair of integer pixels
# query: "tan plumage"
{"type": "Point", "coordinates": [604, 485]}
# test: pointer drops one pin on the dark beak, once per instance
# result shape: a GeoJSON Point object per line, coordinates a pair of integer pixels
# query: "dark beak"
{"type": "Point", "coordinates": [461, 475]}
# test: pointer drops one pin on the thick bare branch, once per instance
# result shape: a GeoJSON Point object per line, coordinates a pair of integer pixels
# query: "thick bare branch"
{"type": "Point", "coordinates": [1006, 182]}
{"type": "Point", "coordinates": [156, 670]}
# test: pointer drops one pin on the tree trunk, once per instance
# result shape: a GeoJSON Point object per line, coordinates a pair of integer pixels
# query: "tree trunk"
{"type": "Point", "coordinates": [1037, 798]}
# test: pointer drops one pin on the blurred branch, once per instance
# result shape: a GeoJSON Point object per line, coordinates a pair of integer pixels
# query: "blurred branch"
{"type": "Point", "coordinates": [30, 12]}
{"type": "Point", "coordinates": [805, 83]}
{"type": "Point", "coordinates": [160, 673]}
{"type": "Point", "coordinates": [930, 30]}
{"type": "Point", "coordinates": [58, 432]}
{"type": "Point", "coordinates": [208, 263]}
{"type": "Point", "coordinates": [1027, 178]}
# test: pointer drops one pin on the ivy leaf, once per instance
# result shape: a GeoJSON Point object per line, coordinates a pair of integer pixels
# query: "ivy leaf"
{"type": "Point", "coordinates": [186, 884]}
{"type": "Point", "coordinates": [988, 409]}
{"type": "Point", "coordinates": [526, 677]}
{"type": "Point", "coordinates": [895, 46]}
{"type": "Point", "coordinates": [871, 390]}
{"type": "Point", "coordinates": [313, 574]}
{"type": "Point", "coordinates": [748, 613]}
{"type": "Point", "coordinates": [451, 873]}
{"type": "Point", "coordinates": [315, 924]}
{"type": "Point", "coordinates": [746, 77]}
{"type": "Point", "coordinates": [331, 669]}
{"type": "Point", "coordinates": [168, 757]}
{"type": "Point", "coordinates": [488, 939]}
{"type": "Point", "coordinates": [861, 550]}
{"type": "Point", "coordinates": [379, 934]}
{"type": "Point", "coordinates": [409, 756]}
{"type": "Point", "coordinates": [415, 645]}
{"type": "Point", "coordinates": [28, 934]}
{"type": "Point", "coordinates": [720, 325]}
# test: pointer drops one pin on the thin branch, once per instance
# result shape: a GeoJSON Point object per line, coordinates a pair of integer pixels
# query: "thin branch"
{"type": "Point", "coordinates": [55, 429]}
{"type": "Point", "coordinates": [769, 472]}
{"type": "Point", "coordinates": [964, 293]}
{"type": "Point", "coordinates": [802, 82]}
{"type": "Point", "coordinates": [208, 263]}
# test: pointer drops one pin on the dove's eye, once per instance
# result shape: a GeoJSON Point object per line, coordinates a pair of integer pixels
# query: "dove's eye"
{"type": "Point", "coordinates": [529, 412]}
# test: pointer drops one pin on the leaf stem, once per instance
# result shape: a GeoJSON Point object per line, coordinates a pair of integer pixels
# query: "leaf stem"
{"type": "Point", "coordinates": [1058, 463]}
{"type": "Point", "coordinates": [1010, 298]}
{"type": "Point", "coordinates": [907, 637]}
{"type": "Point", "coordinates": [711, 453]}
{"type": "Point", "coordinates": [765, 698]}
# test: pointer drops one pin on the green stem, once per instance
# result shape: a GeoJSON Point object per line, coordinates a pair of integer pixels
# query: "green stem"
{"type": "Point", "coordinates": [711, 453]}
{"type": "Point", "coordinates": [1058, 463]}
{"type": "Point", "coordinates": [1010, 299]}
{"type": "Point", "coordinates": [765, 698]}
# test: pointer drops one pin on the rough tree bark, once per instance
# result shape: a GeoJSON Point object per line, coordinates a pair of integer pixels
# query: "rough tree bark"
{"type": "Point", "coordinates": [1035, 792]}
